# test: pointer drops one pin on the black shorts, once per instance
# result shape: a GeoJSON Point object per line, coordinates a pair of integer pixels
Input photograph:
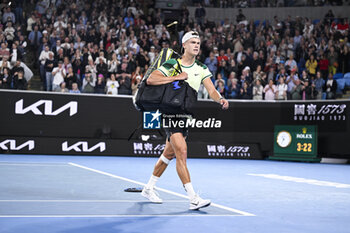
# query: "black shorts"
{"type": "Point", "coordinates": [171, 131]}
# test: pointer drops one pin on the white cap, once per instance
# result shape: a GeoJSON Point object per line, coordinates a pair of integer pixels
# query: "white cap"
{"type": "Point", "coordinates": [190, 35]}
{"type": "Point", "coordinates": [246, 68]}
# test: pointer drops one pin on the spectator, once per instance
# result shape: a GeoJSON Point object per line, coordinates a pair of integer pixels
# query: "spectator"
{"type": "Point", "coordinates": [257, 74]}
{"type": "Point", "coordinates": [323, 66]}
{"type": "Point", "coordinates": [233, 90]}
{"type": "Point", "coordinates": [49, 65]}
{"type": "Point", "coordinates": [344, 59]}
{"type": "Point", "coordinates": [86, 32]}
{"type": "Point", "coordinates": [152, 55]}
{"type": "Point", "coordinates": [211, 62]}
{"type": "Point", "coordinates": [35, 38]}
{"type": "Point", "coordinates": [4, 51]}
{"type": "Point", "coordinates": [199, 14]}
{"type": "Point", "coordinates": [4, 64]}
{"type": "Point", "coordinates": [66, 64]}
{"type": "Point", "coordinates": [240, 17]}
{"type": "Point", "coordinates": [291, 80]}
{"type": "Point", "coordinates": [202, 92]}
{"type": "Point", "coordinates": [102, 67]}
{"type": "Point", "coordinates": [246, 91]}
{"type": "Point", "coordinates": [219, 78]}
{"type": "Point", "coordinates": [282, 74]}
{"type": "Point", "coordinates": [291, 64]}
{"type": "Point", "coordinates": [129, 20]}
{"type": "Point", "coordinates": [19, 82]}
{"type": "Point", "coordinates": [246, 77]}
{"type": "Point", "coordinates": [256, 61]}
{"type": "Point", "coordinates": [281, 90]}
{"type": "Point", "coordinates": [330, 87]}
{"type": "Point", "coordinates": [61, 88]}
{"type": "Point", "coordinates": [142, 59]}
{"type": "Point", "coordinates": [306, 91]}
{"type": "Point", "coordinates": [57, 47]}
{"type": "Point", "coordinates": [304, 75]}
{"type": "Point", "coordinates": [124, 78]}
{"type": "Point", "coordinates": [223, 69]}
{"type": "Point", "coordinates": [311, 66]}
{"type": "Point", "coordinates": [44, 55]}
{"type": "Point", "coordinates": [19, 66]}
{"type": "Point", "coordinates": [332, 57]}
{"type": "Point", "coordinates": [113, 64]}
{"type": "Point", "coordinates": [30, 22]}
{"type": "Point", "coordinates": [9, 33]}
{"type": "Point", "coordinates": [16, 54]}
{"type": "Point", "coordinates": [318, 84]}
{"type": "Point", "coordinates": [231, 77]}
{"type": "Point", "coordinates": [6, 78]}
{"type": "Point", "coordinates": [88, 83]}
{"type": "Point", "coordinates": [258, 90]}
{"type": "Point", "coordinates": [75, 88]}
{"type": "Point", "coordinates": [100, 85]}
{"type": "Point", "coordinates": [112, 85]}
{"type": "Point", "coordinates": [59, 73]}
{"type": "Point", "coordinates": [135, 84]}
{"type": "Point", "coordinates": [220, 87]}
{"type": "Point", "coordinates": [296, 90]}
{"type": "Point", "coordinates": [70, 78]}
{"type": "Point", "coordinates": [22, 46]}
{"type": "Point", "coordinates": [8, 16]}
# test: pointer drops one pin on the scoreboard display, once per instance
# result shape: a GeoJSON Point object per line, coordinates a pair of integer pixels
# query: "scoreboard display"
{"type": "Point", "coordinates": [295, 143]}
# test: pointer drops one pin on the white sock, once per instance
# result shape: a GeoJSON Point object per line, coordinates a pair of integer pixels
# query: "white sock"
{"type": "Point", "coordinates": [152, 182]}
{"type": "Point", "coordinates": [190, 191]}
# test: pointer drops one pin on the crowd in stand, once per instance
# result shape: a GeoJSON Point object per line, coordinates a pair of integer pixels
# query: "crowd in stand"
{"type": "Point", "coordinates": [265, 3]}
{"type": "Point", "coordinates": [106, 46]}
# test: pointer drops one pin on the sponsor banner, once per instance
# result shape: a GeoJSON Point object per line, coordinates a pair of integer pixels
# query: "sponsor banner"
{"type": "Point", "coordinates": [61, 146]}
{"type": "Point", "coordinates": [71, 106]}
{"type": "Point", "coordinates": [17, 145]}
{"type": "Point", "coordinates": [320, 112]}
{"type": "Point", "coordinates": [57, 115]}
{"type": "Point", "coordinates": [238, 151]}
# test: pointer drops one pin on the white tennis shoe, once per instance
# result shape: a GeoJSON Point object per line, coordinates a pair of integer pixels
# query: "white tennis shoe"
{"type": "Point", "coordinates": [196, 203]}
{"type": "Point", "coordinates": [151, 195]}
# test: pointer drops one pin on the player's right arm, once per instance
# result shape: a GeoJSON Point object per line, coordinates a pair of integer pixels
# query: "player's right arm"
{"type": "Point", "coordinates": [158, 78]}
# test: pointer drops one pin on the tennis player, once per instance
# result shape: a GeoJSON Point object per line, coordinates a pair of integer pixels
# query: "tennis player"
{"type": "Point", "coordinates": [195, 73]}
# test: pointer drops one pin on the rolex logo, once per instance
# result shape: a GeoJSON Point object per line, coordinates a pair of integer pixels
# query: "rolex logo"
{"type": "Point", "coordinates": [304, 130]}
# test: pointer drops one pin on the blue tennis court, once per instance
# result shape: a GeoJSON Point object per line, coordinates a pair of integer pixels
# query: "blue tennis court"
{"type": "Point", "coordinates": [86, 194]}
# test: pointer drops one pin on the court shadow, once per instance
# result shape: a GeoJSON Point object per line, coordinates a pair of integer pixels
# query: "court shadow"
{"type": "Point", "coordinates": [149, 208]}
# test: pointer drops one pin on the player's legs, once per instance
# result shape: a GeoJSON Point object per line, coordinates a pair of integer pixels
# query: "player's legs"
{"type": "Point", "coordinates": [179, 145]}
{"type": "Point", "coordinates": [162, 163]}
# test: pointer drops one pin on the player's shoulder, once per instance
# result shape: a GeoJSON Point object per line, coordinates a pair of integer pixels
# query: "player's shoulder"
{"type": "Point", "coordinates": [200, 64]}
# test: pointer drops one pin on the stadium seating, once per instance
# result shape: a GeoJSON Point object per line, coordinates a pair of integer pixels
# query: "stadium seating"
{"type": "Point", "coordinates": [347, 75]}
{"type": "Point", "coordinates": [315, 21]}
{"type": "Point", "coordinates": [338, 76]}
{"type": "Point", "coordinates": [341, 85]}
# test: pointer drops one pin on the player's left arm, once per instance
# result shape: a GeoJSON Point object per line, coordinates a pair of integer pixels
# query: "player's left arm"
{"type": "Point", "coordinates": [214, 94]}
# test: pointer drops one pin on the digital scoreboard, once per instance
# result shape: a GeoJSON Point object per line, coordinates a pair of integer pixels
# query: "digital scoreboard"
{"type": "Point", "coordinates": [295, 143]}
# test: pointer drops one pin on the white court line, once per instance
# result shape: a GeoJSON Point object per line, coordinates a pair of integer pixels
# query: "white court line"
{"type": "Point", "coordinates": [32, 164]}
{"type": "Point", "coordinates": [302, 180]}
{"type": "Point", "coordinates": [89, 201]}
{"type": "Point", "coordinates": [243, 213]}
{"type": "Point", "coordinates": [122, 216]}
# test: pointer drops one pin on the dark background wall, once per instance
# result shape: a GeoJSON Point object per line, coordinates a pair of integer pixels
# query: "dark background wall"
{"type": "Point", "coordinates": [100, 117]}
